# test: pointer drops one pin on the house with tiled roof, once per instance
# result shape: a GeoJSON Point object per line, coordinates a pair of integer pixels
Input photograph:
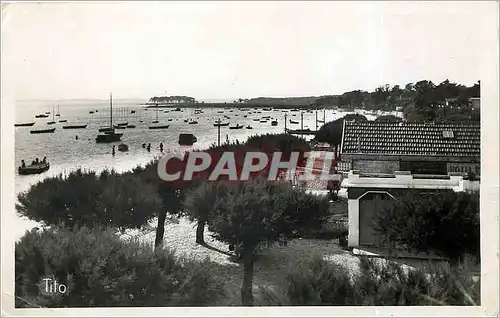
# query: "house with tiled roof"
{"type": "Point", "coordinates": [385, 160]}
{"type": "Point", "coordinates": [421, 148]}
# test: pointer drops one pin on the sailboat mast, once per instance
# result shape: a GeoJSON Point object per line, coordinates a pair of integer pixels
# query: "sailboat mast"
{"type": "Point", "coordinates": [110, 110]}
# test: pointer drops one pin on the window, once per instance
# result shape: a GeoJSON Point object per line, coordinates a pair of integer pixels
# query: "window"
{"type": "Point", "coordinates": [448, 134]}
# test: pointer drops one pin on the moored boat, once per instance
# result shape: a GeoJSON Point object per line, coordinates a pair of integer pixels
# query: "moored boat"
{"type": "Point", "coordinates": [42, 131]}
{"type": "Point", "coordinates": [110, 135]}
{"type": "Point", "coordinates": [187, 139]}
{"type": "Point", "coordinates": [41, 116]}
{"type": "Point", "coordinates": [159, 127]}
{"type": "Point", "coordinates": [274, 123]}
{"type": "Point", "coordinates": [24, 125]}
{"type": "Point", "coordinates": [249, 127]}
{"type": "Point", "coordinates": [130, 126]}
{"type": "Point", "coordinates": [105, 129]}
{"type": "Point", "coordinates": [74, 126]}
{"type": "Point", "coordinates": [218, 124]}
{"type": "Point", "coordinates": [122, 147]}
{"type": "Point", "coordinates": [236, 127]}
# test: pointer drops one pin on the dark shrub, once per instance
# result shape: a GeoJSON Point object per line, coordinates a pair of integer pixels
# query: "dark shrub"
{"type": "Point", "coordinates": [379, 283]}
{"type": "Point", "coordinates": [99, 269]}
{"type": "Point", "coordinates": [84, 198]}
{"type": "Point", "coordinates": [445, 222]}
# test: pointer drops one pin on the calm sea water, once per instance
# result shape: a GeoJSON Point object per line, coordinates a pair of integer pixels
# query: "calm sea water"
{"type": "Point", "coordinates": [66, 153]}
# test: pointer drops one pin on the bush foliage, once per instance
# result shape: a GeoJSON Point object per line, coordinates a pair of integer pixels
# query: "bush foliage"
{"type": "Point", "coordinates": [99, 269]}
{"type": "Point", "coordinates": [85, 198]}
{"type": "Point", "coordinates": [379, 283]}
{"type": "Point", "coordinates": [444, 222]}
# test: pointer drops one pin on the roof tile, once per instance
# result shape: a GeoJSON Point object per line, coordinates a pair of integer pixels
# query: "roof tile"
{"type": "Point", "coordinates": [412, 139]}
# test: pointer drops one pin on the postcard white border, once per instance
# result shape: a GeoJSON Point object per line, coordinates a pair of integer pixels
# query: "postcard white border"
{"type": "Point", "coordinates": [489, 223]}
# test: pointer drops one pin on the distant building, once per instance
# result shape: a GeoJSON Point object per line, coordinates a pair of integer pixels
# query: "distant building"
{"type": "Point", "coordinates": [421, 148]}
{"type": "Point", "coordinates": [475, 102]}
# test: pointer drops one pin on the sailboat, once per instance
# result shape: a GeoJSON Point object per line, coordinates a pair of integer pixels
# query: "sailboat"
{"type": "Point", "coordinates": [156, 121]}
{"type": "Point", "coordinates": [53, 121]}
{"type": "Point", "coordinates": [59, 115]}
{"type": "Point", "coordinates": [110, 135]}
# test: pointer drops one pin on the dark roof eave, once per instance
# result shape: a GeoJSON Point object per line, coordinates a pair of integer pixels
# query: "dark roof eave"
{"type": "Point", "coordinates": [408, 157]}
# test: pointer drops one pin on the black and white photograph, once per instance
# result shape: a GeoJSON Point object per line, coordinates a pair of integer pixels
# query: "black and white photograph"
{"type": "Point", "coordinates": [250, 158]}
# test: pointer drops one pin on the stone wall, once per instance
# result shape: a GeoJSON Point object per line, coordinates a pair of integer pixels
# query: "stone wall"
{"type": "Point", "coordinates": [375, 166]}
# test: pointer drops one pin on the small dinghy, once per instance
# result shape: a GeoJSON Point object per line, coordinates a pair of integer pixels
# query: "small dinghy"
{"type": "Point", "coordinates": [122, 147]}
{"type": "Point", "coordinates": [34, 168]}
{"type": "Point", "coordinates": [187, 139]}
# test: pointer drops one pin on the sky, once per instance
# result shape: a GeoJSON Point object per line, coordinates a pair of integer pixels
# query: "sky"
{"type": "Point", "coordinates": [228, 50]}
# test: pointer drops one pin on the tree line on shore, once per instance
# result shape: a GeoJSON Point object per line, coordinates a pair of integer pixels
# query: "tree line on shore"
{"type": "Point", "coordinates": [80, 247]}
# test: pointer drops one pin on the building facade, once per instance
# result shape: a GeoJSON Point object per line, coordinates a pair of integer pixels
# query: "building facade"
{"type": "Point", "coordinates": [370, 194]}
{"type": "Point", "coordinates": [421, 148]}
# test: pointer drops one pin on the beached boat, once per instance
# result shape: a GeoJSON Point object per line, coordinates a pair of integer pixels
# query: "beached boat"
{"type": "Point", "coordinates": [122, 147]}
{"type": "Point", "coordinates": [34, 169]}
{"type": "Point", "coordinates": [42, 131]}
{"type": "Point", "coordinates": [74, 126]}
{"type": "Point", "coordinates": [24, 124]}
{"type": "Point", "coordinates": [236, 127]}
{"type": "Point", "coordinates": [159, 127]}
{"type": "Point", "coordinates": [110, 135]}
{"type": "Point", "coordinates": [187, 139]}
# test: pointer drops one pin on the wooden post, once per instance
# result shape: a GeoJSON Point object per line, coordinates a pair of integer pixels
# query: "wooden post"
{"type": "Point", "coordinates": [317, 120]}
{"type": "Point", "coordinates": [301, 121]}
{"type": "Point", "coordinates": [285, 121]}
{"type": "Point", "coordinates": [218, 133]}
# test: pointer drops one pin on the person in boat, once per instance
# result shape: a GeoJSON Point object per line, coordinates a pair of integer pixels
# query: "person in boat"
{"type": "Point", "coordinates": [37, 161]}
{"type": "Point", "coordinates": [76, 137]}
{"type": "Point", "coordinates": [149, 147]}
{"type": "Point", "coordinates": [23, 164]}
{"type": "Point", "coordinates": [113, 151]}
{"type": "Point", "coordinates": [44, 160]}
{"type": "Point", "coordinates": [144, 145]}
{"type": "Point", "coordinates": [161, 146]}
